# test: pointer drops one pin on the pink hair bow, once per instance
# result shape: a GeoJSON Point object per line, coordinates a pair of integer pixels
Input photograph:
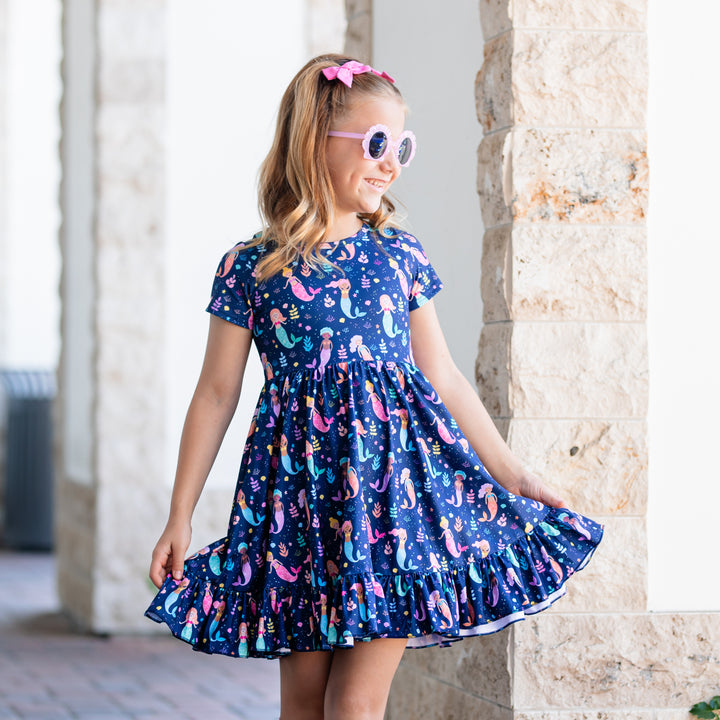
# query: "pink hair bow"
{"type": "Point", "coordinates": [344, 73]}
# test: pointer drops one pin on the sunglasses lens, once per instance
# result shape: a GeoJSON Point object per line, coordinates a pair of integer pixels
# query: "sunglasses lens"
{"type": "Point", "coordinates": [405, 151]}
{"type": "Point", "coordinates": [377, 145]}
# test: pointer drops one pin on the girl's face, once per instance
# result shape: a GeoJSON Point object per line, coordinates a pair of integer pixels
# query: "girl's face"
{"type": "Point", "coordinates": [359, 184]}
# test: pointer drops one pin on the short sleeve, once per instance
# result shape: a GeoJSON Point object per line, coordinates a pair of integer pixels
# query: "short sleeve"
{"type": "Point", "coordinates": [425, 281]}
{"type": "Point", "coordinates": [230, 299]}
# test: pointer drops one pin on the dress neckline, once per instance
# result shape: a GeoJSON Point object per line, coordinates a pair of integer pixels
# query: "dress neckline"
{"type": "Point", "coordinates": [330, 248]}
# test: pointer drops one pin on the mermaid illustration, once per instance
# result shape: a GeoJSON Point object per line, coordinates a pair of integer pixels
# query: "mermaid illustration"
{"type": "Point", "coordinates": [453, 549]}
{"type": "Point", "coordinates": [297, 287]}
{"type": "Point", "coordinates": [214, 561]}
{"type": "Point", "coordinates": [278, 517]}
{"type": "Point", "coordinates": [191, 622]}
{"type": "Point", "coordinates": [260, 642]}
{"type": "Point", "coordinates": [227, 266]}
{"type": "Point", "coordinates": [405, 441]}
{"type": "Point", "coordinates": [310, 461]}
{"type": "Point", "coordinates": [267, 366]}
{"type": "Point", "coordinates": [348, 251]}
{"type": "Point", "coordinates": [432, 470]}
{"type": "Point", "coordinates": [245, 574]}
{"type": "Point", "coordinates": [388, 322]}
{"type": "Point", "coordinates": [352, 554]}
{"type": "Point", "coordinates": [418, 254]}
{"type": "Point", "coordinates": [376, 402]}
{"type": "Point", "coordinates": [401, 554]}
{"type": "Point", "coordinates": [303, 503]}
{"type": "Point", "coordinates": [285, 459]}
{"type": "Point", "coordinates": [357, 345]}
{"type": "Point", "coordinates": [443, 431]}
{"type": "Point", "coordinates": [282, 572]}
{"type": "Point", "coordinates": [373, 535]}
{"type": "Point", "coordinates": [382, 484]}
{"type": "Point", "coordinates": [491, 504]}
{"type": "Point", "coordinates": [323, 614]}
{"type": "Point", "coordinates": [411, 500]}
{"type": "Point", "coordinates": [172, 599]}
{"type": "Point", "coordinates": [400, 275]}
{"type": "Point", "coordinates": [459, 487]}
{"type": "Point", "coordinates": [574, 523]}
{"type": "Point", "coordinates": [275, 406]}
{"type": "Point", "coordinates": [360, 433]}
{"type": "Point", "coordinates": [417, 294]}
{"type": "Point", "coordinates": [277, 319]}
{"type": "Point", "coordinates": [319, 422]}
{"type": "Point", "coordinates": [555, 567]}
{"type": "Point", "coordinates": [214, 631]}
{"type": "Point", "coordinates": [442, 606]}
{"type": "Point", "coordinates": [351, 483]}
{"type": "Point", "coordinates": [344, 286]}
{"type": "Point", "coordinates": [326, 347]}
{"type": "Point", "coordinates": [247, 511]}
{"type": "Point", "coordinates": [362, 607]}
{"type": "Point", "coordinates": [243, 640]}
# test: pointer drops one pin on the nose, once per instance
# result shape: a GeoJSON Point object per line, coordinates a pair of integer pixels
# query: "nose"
{"type": "Point", "coordinates": [390, 163]}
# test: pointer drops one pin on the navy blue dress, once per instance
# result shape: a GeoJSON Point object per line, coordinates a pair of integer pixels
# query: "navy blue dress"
{"type": "Point", "coordinates": [361, 511]}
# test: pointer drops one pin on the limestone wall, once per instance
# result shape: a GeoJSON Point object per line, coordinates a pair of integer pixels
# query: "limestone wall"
{"type": "Point", "coordinates": [563, 367]}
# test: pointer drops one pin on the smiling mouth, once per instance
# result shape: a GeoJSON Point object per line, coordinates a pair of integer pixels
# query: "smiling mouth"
{"type": "Point", "coordinates": [377, 184]}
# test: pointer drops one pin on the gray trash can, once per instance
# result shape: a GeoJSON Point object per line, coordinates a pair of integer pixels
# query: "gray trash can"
{"type": "Point", "coordinates": [28, 459]}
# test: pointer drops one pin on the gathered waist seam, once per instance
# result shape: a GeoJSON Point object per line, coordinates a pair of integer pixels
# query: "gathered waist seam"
{"type": "Point", "coordinates": [345, 365]}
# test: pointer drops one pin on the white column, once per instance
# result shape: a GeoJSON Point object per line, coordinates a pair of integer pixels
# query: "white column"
{"type": "Point", "coordinates": [167, 115]}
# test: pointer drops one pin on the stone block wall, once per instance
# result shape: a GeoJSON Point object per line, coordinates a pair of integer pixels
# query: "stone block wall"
{"type": "Point", "coordinates": [563, 186]}
{"type": "Point", "coordinates": [562, 366]}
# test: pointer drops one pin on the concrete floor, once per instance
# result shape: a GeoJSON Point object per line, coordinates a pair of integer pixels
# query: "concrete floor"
{"type": "Point", "coordinates": [47, 672]}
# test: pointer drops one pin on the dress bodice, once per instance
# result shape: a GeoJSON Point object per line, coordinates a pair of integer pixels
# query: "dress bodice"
{"type": "Point", "coordinates": [355, 307]}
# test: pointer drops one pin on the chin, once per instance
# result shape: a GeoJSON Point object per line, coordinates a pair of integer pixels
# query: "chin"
{"type": "Point", "coordinates": [370, 208]}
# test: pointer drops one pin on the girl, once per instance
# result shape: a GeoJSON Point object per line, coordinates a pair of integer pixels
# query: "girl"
{"type": "Point", "coordinates": [377, 507]}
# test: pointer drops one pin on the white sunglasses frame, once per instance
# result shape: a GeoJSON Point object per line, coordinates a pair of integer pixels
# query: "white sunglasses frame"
{"type": "Point", "coordinates": [366, 137]}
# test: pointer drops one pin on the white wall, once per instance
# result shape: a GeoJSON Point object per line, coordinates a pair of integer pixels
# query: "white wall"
{"type": "Point", "coordinates": [228, 66]}
{"type": "Point", "coordinates": [684, 249]}
{"type": "Point", "coordinates": [30, 253]}
{"type": "Point", "coordinates": [434, 54]}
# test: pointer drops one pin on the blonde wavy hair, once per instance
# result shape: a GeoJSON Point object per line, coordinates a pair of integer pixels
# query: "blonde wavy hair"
{"type": "Point", "coordinates": [295, 194]}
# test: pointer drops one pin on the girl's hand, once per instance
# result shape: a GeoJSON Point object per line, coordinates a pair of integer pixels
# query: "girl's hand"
{"type": "Point", "coordinates": [169, 553]}
{"type": "Point", "coordinates": [531, 486]}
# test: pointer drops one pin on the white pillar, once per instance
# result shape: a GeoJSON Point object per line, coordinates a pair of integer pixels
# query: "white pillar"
{"type": "Point", "coordinates": [112, 390]}
{"type": "Point", "coordinates": [167, 115]}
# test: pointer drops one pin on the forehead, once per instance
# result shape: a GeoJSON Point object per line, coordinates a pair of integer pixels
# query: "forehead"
{"type": "Point", "coordinates": [372, 110]}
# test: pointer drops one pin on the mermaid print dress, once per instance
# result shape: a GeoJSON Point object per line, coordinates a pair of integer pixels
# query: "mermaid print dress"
{"type": "Point", "coordinates": [360, 511]}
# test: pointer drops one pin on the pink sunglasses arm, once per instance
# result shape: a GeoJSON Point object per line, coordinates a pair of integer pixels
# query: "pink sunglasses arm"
{"type": "Point", "coordinates": [337, 133]}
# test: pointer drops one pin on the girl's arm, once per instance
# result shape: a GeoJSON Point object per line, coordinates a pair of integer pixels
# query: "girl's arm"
{"type": "Point", "coordinates": [461, 399]}
{"type": "Point", "coordinates": [210, 412]}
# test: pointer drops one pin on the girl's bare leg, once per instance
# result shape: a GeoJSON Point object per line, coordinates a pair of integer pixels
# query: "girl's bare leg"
{"type": "Point", "coordinates": [303, 678]}
{"type": "Point", "coordinates": [360, 679]}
